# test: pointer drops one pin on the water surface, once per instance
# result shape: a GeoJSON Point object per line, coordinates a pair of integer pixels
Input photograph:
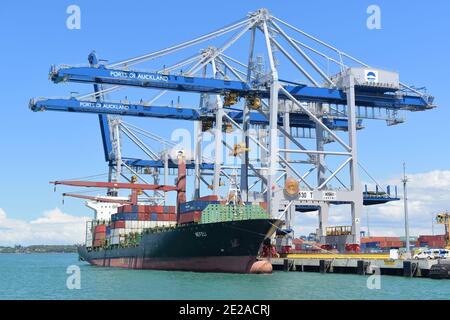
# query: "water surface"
{"type": "Point", "coordinates": [43, 276]}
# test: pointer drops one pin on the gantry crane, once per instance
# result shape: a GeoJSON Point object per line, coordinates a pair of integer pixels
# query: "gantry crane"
{"type": "Point", "coordinates": [243, 95]}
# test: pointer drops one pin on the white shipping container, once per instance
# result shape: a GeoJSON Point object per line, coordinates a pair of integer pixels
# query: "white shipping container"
{"type": "Point", "coordinates": [134, 224]}
{"type": "Point", "coordinates": [88, 242]}
{"type": "Point", "coordinates": [114, 240]}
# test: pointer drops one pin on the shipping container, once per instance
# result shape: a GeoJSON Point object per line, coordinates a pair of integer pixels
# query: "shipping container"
{"type": "Point", "coordinates": [100, 228]}
{"type": "Point", "coordinates": [371, 244]}
{"type": "Point", "coordinates": [188, 217]}
{"type": "Point", "coordinates": [119, 224]}
{"type": "Point", "coordinates": [196, 205]}
{"type": "Point", "coordinates": [379, 239]}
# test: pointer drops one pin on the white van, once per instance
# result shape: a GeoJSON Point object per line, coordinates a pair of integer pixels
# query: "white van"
{"type": "Point", "coordinates": [433, 254]}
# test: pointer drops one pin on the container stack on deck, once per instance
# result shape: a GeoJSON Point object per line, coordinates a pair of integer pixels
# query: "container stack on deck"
{"type": "Point", "coordinates": [128, 222]}
{"type": "Point", "coordinates": [99, 235]}
{"type": "Point", "coordinates": [191, 211]}
{"type": "Point", "coordinates": [127, 225]}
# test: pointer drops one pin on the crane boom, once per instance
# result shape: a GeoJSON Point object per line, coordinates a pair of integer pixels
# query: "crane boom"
{"type": "Point", "coordinates": [143, 110]}
{"type": "Point", "coordinates": [116, 185]}
{"type": "Point", "coordinates": [98, 199]}
{"type": "Point", "coordinates": [103, 75]}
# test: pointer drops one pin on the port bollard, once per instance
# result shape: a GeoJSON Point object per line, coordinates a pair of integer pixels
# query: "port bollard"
{"type": "Point", "coordinates": [286, 265]}
{"type": "Point", "coordinates": [407, 269]}
{"type": "Point", "coordinates": [322, 266]}
{"type": "Point", "coordinates": [361, 270]}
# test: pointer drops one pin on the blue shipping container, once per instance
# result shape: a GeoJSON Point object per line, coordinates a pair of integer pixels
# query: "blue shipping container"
{"type": "Point", "coordinates": [196, 205]}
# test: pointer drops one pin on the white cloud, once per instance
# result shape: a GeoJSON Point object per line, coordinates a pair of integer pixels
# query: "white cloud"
{"type": "Point", "coordinates": [53, 227]}
{"type": "Point", "coordinates": [428, 193]}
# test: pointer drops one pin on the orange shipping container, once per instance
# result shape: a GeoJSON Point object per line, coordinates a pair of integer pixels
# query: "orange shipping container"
{"type": "Point", "coordinates": [100, 228]}
{"type": "Point", "coordinates": [263, 205]}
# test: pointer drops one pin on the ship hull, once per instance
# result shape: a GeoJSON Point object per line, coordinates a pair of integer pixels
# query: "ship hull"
{"type": "Point", "coordinates": [230, 246]}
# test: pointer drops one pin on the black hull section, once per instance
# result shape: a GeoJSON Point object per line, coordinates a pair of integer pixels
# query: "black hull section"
{"type": "Point", "coordinates": [214, 247]}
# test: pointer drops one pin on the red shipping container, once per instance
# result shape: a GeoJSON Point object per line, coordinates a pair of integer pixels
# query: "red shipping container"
{"type": "Point", "coordinates": [436, 244]}
{"type": "Point", "coordinates": [391, 244]}
{"type": "Point", "coordinates": [144, 216]}
{"type": "Point", "coordinates": [141, 209]}
{"type": "Point", "coordinates": [155, 209]}
{"type": "Point", "coordinates": [163, 217]}
{"type": "Point", "coordinates": [126, 208]}
{"type": "Point", "coordinates": [119, 224]}
{"type": "Point", "coordinates": [172, 217]}
{"type": "Point", "coordinates": [191, 216]}
{"type": "Point", "coordinates": [99, 237]}
{"type": "Point", "coordinates": [170, 209]}
{"type": "Point", "coordinates": [427, 238]}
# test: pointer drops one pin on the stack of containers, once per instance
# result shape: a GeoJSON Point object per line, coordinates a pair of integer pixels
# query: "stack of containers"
{"type": "Point", "coordinates": [135, 218]}
{"type": "Point", "coordinates": [380, 243]}
{"type": "Point", "coordinates": [371, 245]}
{"type": "Point", "coordinates": [191, 211]}
{"type": "Point", "coordinates": [435, 241]}
{"type": "Point", "coordinates": [220, 213]}
{"type": "Point", "coordinates": [89, 234]}
{"type": "Point", "coordinates": [392, 244]}
{"type": "Point", "coordinates": [99, 235]}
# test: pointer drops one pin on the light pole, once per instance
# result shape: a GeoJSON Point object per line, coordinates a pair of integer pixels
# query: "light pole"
{"type": "Point", "coordinates": [432, 224]}
{"type": "Point", "coordinates": [405, 203]}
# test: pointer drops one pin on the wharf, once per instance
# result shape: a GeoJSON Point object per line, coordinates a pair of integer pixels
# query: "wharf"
{"type": "Point", "coordinates": [362, 264]}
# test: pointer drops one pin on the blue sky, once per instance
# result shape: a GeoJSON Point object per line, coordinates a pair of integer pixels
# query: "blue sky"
{"type": "Point", "coordinates": [39, 147]}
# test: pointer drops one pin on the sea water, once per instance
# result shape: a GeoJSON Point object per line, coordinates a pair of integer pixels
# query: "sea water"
{"type": "Point", "coordinates": [62, 276]}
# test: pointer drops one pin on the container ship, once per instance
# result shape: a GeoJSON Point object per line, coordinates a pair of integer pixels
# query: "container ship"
{"type": "Point", "coordinates": [207, 234]}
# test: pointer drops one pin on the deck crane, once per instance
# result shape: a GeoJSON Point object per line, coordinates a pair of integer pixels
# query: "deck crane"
{"type": "Point", "coordinates": [134, 187]}
{"type": "Point", "coordinates": [331, 103]}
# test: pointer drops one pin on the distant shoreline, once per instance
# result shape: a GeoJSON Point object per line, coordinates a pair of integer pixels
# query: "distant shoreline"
{"type": "Point", "coordinates": [39, 249]}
